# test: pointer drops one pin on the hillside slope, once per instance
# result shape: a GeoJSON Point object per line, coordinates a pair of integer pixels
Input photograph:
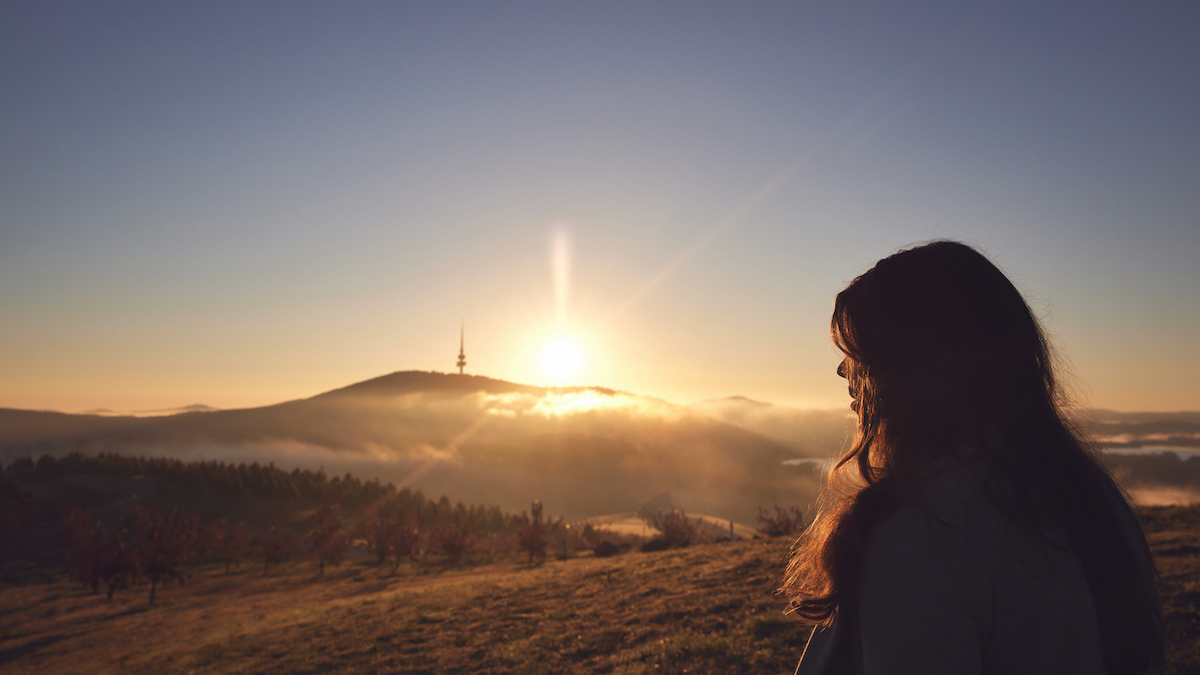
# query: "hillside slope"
{"type": "Point", "coordinates": [705, 609]}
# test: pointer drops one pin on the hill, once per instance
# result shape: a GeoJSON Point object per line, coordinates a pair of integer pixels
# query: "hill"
{"type": "Point", "coordinates": [581, 450]}
{"type": "Point", "coordinates": [811, 433]}
{"type": "Point", "coordinates": [1155, 454]}
{"type": "Point", "coordinates": [1114, 429]}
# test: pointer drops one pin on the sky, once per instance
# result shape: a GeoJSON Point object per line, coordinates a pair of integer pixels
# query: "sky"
{"type": "Point", "coordinates": [237, 204]}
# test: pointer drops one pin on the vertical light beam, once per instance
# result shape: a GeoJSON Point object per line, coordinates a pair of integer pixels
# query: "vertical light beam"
{"type": "Point", "coordinates": [560, 262]}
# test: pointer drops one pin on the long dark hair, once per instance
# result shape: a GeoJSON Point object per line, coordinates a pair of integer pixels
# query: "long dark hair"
{"type": "Point", "coordinates": [942, 352]}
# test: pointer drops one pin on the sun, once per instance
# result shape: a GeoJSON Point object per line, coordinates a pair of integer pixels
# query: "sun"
{"type": "Point", "coordinates": [561, 359]}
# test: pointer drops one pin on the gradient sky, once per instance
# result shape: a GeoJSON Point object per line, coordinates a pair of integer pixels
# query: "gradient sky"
{"type": "Point", "coordinates": [241, 203]}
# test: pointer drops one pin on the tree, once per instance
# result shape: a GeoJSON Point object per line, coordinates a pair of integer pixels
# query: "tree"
{"type": "Point", "coordinates": [455, 539]}
{"type": "Point", "coordinates": [116, 562]}
{"type": "Point", "coordinates": [100, 556]}
{"type": "Point", "coordinates": [82, 533]}
{"type": "Point", "coordinates": [276, 546]}
{"type": "Point", "coordinates": [203, 540]}
{"type": "Point", "coordinates": [389, 536]}
{"type": "Point", "coordinates": [328, 541]}
{"type": "Point", "coordinates": [229, 543]}
{"type": "Point", "coordinates": [161, 542]}
{"type": "Point", "coordinates": [379, 530]}
{"type": "Point", "coordinates": [16, 509]}
{"type": "Point", "coordinates": [403, 544]}
{"type": "Point", "coordinates": [533, 536]}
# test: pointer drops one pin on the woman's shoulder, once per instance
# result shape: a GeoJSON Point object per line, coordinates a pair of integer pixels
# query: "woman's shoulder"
{"type": "Point", "coordinates": [951, 522]}
{"type": "Point", "coordinates": [952, 495]}
{"type": "Point", "coordinates": [940, 536]}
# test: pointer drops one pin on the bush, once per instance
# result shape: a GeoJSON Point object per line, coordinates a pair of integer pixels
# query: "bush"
{"type": "Point", "coordinates": [655, 544]}
{"type": "Point", "coordinates": [783, 523]}
{"type": "Point", "coordinates": [605, 549]}
{"type": "Point", "coordinates": [677, 531]}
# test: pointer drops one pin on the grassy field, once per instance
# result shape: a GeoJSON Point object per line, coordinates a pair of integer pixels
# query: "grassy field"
{"type": "Point", "coordinates": [705, 609]}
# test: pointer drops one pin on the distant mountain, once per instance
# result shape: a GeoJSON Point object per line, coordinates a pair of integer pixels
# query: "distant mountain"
{"type": "Point", "coordinates": [581, 450]}
{"type": "Point", "coordinates": [1114, 429]}
{"type": "Point", "coordinates": [196, 407]}
{"type": "Point", "coordinates": [1156, 455]}
{"type": "Point", "coordinates": [823, 433]}
{"type": "Point", "coordinates": [811, 433]}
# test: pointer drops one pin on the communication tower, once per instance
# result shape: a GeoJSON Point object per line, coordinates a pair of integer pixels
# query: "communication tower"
{"type": "Point", "coordinates": [462, 356]}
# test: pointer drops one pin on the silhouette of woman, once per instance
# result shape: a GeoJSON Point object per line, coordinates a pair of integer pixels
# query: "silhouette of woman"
{"type": "Point", "coordinates": [969, 529]}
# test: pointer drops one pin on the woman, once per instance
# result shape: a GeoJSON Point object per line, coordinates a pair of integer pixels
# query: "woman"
{"type": "Point", "coordinates": [969, 529]}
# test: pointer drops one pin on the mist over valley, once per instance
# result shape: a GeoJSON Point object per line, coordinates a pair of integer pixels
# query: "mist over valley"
{"type": "Point", "coordinates": [583, 451]}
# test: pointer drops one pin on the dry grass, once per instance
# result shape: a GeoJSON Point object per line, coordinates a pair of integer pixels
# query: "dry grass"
{"type": "Point", "coordinates": [706, 609]}
{"type": "Point", "coordinates": [1174, 536]}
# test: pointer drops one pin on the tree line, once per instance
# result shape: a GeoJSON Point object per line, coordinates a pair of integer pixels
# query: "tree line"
{"type": "Point", "coordinates": [126, 542]}
{"type": "Point", "coordinates": [212, 476]}
{"type": "Point", "coordinates": [113, 546]}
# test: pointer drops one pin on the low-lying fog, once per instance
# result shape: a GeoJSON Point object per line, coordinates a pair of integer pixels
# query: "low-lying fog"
{"type": "Point", "coordinates": [583, 452]}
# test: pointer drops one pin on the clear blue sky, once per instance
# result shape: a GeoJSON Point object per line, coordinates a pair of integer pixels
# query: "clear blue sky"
{"type": "Point", "coordinates": [239, 203]}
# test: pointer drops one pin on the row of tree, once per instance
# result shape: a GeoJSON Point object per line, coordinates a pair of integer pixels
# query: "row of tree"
{"type": "Point", "coordinates": [143, 545]}
{"type": "Point", "coordinates": [154, 546]}
{"type": "Point", "coordinates": [151, 540]}
{"type": "Point", "coordinates": [219, 477]}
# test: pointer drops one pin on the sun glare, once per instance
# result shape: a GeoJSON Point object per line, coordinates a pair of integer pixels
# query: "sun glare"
{"type": "Point", "coordinates": [561, 359]}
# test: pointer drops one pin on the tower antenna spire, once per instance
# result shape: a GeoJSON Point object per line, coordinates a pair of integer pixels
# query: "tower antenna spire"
{"type": "Point", "coordinates": [462, 355]}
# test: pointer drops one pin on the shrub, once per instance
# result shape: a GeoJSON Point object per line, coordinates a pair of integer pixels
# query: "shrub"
{"type": "Point", "coordinates": [676, 530]}
{"type": "Point", "coordinates": [784, 522]}
{"type": "Point", "coordinates": [605, 549]}
{"type": "Point", "coordinates": [655, 544]}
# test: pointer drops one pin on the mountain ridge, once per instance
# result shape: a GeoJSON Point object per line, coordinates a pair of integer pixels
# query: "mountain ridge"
{"type": "Point", "coordinates": [581, 450]}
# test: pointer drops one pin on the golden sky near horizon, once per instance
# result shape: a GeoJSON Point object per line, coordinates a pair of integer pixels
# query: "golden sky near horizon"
{"type": "Point", "coordinates": [235, 205]}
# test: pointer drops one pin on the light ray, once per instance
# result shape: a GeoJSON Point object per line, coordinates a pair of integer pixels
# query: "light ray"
{"type": "Point", "coordinates": [451, 450]}
{"type": "Point", "coordinates": [855, 118]}
{"type": "Point", "coordinates": [560, 261]}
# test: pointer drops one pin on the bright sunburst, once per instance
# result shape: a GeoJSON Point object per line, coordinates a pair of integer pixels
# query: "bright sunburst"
{"type": "Point", "coordinates": [561, 359]}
